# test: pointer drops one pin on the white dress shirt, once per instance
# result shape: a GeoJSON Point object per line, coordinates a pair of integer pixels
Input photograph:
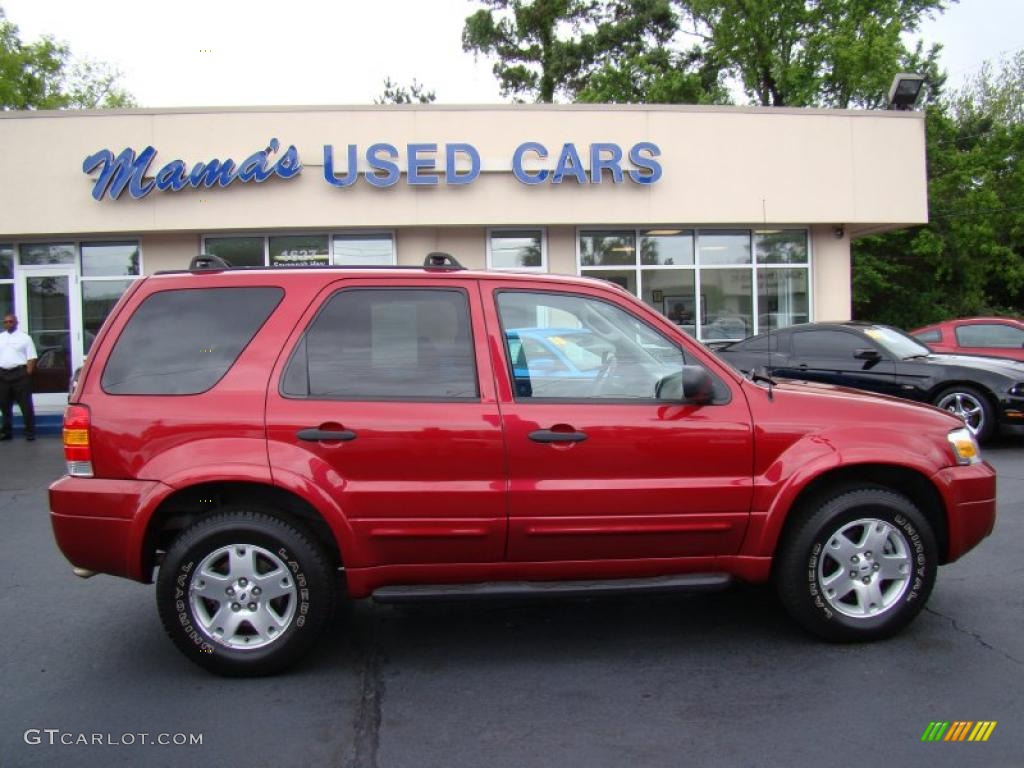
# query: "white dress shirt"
{"type": "Point", "coordinates": [16, 349]}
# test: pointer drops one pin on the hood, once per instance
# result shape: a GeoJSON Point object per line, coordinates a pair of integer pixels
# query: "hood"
{"type": "Point", "coordinates": [1012, 369]}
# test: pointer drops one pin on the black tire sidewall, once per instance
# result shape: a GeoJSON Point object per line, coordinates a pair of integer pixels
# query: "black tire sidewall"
{"type": "Point", "coordinates": [797, 576]}
{"type": "Point", "coordinates": [300, 555]}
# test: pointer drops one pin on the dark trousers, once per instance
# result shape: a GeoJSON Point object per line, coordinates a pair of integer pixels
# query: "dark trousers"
{"type": "Point", "coordinates": [16, 387]}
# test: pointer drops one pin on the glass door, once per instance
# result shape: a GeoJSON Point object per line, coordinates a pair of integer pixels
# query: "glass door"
{"type": "Point", "coordinates": [50, 313]}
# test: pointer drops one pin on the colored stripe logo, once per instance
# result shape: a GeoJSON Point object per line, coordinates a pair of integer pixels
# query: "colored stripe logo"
{"type": "Point", "coordinates": [959, 730]}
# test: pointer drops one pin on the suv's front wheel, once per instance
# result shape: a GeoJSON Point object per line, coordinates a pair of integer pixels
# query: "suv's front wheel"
{"type": "Point", "coordinates": [859, 567]}
{"type": "Point", "coordinates": [244, 593]}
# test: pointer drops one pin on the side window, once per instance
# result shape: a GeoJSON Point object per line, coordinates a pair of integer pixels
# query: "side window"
{"type": "Point", "coordinates": [834, 345]}
{"type": "Point", "coordinates": [763, 343]}
{"type": "Point", "coordinates": [571, 347]}
{"type": "Point", "coordinates": [929, 337]}
{"type": "Point", "coordinates": [385, 344]}
{"type": "Point", "coordinates": [989, 335]}
{"type": "Point", "coordinates": [182, 342]}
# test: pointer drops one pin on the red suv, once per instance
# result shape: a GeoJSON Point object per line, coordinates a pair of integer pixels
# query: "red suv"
{"type": "Point", "coordinates": [257, 439]}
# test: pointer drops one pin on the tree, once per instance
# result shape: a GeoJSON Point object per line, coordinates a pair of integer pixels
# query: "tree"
{"type": "Point", "coordinates": [830, 53]}
{"type": "Point", "coordinates": [44, 75]}
{"type": "Point", "coordinates": [399, 94]}
{"type": "Point", "coordinates": [969, 259]}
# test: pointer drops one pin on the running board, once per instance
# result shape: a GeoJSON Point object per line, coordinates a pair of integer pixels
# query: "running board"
{"type": "Point", "coordinates": [691, 582]}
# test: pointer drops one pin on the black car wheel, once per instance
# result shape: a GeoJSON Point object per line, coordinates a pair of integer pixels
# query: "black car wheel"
{"type": "Point", "coordinates": [858, 567]}
{"type": "Point", "coordinates": [244, 593]}
{"type": "Point", "coordinates": [970, 405]}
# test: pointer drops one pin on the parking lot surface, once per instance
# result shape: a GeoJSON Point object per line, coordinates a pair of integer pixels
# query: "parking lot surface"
{"type": "Point", "coordinates": [88, 678]}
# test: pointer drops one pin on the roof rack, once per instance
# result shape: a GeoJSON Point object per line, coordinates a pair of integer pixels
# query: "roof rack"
{"type": "Point", "coordinates": [208, 261]}
{"type": "Point", "coordinates": [441, 260]}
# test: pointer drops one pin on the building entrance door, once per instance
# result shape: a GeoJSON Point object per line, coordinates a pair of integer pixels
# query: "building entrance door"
{"type": "Point", "coordinates": [50, 313]}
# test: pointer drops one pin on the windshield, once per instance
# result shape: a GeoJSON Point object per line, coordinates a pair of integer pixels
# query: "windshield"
{"type": "Point", "coordinates": [896, 343]}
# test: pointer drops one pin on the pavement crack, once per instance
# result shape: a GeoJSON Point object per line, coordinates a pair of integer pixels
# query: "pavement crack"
{"type": "Point", "coordinates": [977, 637]}
{"type": "Point", "coordinates": [368, 720]}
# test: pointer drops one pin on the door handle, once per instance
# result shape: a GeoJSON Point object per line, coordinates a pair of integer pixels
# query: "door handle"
{"type": "Point", "coordinates": [315, 434]}
{"type": "Point", "coordinates": [803, 366]}
{"type": "Point", "coordinates": [551, 436]}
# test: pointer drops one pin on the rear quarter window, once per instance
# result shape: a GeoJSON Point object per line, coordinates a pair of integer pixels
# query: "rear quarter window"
{"type": "Point", "coordinates": [182, 342]}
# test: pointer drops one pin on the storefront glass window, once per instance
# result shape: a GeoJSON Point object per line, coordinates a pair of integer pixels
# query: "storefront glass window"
{"type": "Point", "coordinates": [364, 249]}
{"type": "Point", "coordinates": [781, 246]}
{"type": "Point", "coordinates": [673, 293]}
{"type": "Point", "coordinates": [7, 298]}
{"type": "Point", "coordinates": [666, 247]}
{"type": "Point", "coordinates": [516, 249]}
{"type": "Point", "coordinates": [781, 298]}
{"type": "Point", "coordinates": [40, 254]}
{"type": "Point", "coordinates": [110, 259]}
{"type": "Point", "coordinates": [727, 306]}
{"type": "Point", "coordinates": [622, 278]}
{"type": "Point", "coordinates": [299, 250]}
{"type": "Point", "coordinates": [6, 262]}
{"type": "Point", "coordinates": [723, 246]}
{"type": "Point", "coordinates": [237, 251]}
{"type": "Point", "coordinates": [607, 248]}
{"type": "Point", "coordinates": [98, 298]}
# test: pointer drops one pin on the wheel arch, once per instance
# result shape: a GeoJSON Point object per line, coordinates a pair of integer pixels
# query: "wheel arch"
{"type": "Point", "coordinates": [898, 479]}
{"type": "Point", "coordinates": [186, 505]}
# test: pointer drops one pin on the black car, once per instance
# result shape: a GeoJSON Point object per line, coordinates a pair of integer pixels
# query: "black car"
{"type": "Point", "coordinates": [986, 392]}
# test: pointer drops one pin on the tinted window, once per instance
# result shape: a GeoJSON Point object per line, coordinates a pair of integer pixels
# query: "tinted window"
{"type": "Point", "coordinates": [989, 335]}
{"type": "Point", "coordinates": [929, 337]}
{"type": "Point", "coordinates": [182, 342]}
{"type": "Point", "coordinates": [762, 343]}
{"type": "Point", "coordinates": [572, 347]}
{"type": "Point", "coordinates": [830, 344]}
{"type": "Point", "coordinates": [376, 344]}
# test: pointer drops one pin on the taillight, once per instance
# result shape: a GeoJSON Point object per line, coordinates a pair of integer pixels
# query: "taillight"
{"type": "Point", "coordinates": [77, 452]}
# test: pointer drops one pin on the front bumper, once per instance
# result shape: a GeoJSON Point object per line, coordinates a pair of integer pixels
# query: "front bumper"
{"type": "Point", "coordinates": [970, 496]}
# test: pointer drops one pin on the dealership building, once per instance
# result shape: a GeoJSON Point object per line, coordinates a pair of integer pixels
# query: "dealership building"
{"type": "Point", "coordinates": [730, 220]}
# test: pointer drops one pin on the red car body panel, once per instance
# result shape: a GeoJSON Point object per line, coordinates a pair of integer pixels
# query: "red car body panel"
{"type": "Point", "coordinates": [949, 343]}
{"type": "Point", "coordinates": [449, 492]}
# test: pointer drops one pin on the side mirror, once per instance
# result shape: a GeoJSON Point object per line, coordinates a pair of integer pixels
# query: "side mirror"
{"type": "Point", "coordinates": [867, 353]}
{"type": "Point", "coordinates": [690, 385]}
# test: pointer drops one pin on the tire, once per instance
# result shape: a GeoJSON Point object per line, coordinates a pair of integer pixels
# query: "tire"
{"type": "Point", "coordinates": [971, 405]}
{"type": "Point", "coordinates": [858, 567]}
{"type": "Point", "coordinates": [214, 593]}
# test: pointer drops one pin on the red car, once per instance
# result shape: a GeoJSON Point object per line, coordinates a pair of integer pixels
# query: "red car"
{"type": "Point", "coordinates": [263, 441]}
{"type": "Point", "coordinates": [993, 336]}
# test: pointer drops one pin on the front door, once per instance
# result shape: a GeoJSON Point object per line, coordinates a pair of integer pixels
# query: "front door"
{"type": "Point", "coordinates": [599, 469]}
{"type": "Point", "coordinates": [50, 313]}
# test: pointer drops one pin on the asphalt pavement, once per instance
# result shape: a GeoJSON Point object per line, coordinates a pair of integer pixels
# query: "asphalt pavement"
{"type": "Point", "coordinates": [88, 678]}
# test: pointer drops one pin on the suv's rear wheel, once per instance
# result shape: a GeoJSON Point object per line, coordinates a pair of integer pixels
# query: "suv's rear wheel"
{"type": "Point", "coordinates": [244, 593]}
{"type": "Point", "coordinates": [859, 567]}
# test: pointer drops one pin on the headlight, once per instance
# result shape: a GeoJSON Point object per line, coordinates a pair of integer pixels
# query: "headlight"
{"type": "Point", "coordinates": [1017, 390]}
{"type": "Point", "coordinates": [965, 447]}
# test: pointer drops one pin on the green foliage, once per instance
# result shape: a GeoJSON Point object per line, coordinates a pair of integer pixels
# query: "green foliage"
{"type": "Point", "coordinates": [44, 75]}
{"type": "Point", "coordinates": [969, 260]}
{"type": "Point", "coordinates": [415, 93]}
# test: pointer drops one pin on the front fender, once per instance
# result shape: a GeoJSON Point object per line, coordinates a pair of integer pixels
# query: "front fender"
{"type": "Point", "coordinates": [794, 468]}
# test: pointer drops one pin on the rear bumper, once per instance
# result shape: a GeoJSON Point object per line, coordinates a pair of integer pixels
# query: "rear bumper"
{"type": "Point", "coordinates": [97, 523]}
{"type": "Point", "coordinates": [970, 495]}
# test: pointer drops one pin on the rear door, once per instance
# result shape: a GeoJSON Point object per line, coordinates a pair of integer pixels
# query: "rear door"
{"type": "Point", "coordinates": [382, 404]}
{"type": "Point", "coordinates": [599, 468]}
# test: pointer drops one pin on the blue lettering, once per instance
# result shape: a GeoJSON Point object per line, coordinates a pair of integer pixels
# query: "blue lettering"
{"type": "Point", "coordinates": [645, 163]}
{"type": "Point", "coordinates": [517, 163]}
{"type": "Point", "coordinates": [254, 167]}
{"type": "Point", "coordinates": [332, 178]}
{"type": "Point", "coordinates": [569, 163]}
{"type": "Point", "coordinates": [451, 150]}
{"type": "Point", "coordinates": [600, 164]}
{"type": "Point", "coordinates": [418, 164]}
{"type": "Point", "coordinates": [289, 164]}
{"type": "Point", "coordinates": [172, 177]}
{"type": "Point", "coordinates": [214, 172]}
{"type": "Point", "coordinates": [376, 163]}
{"type": "Point", "coordinates": [120, 172]}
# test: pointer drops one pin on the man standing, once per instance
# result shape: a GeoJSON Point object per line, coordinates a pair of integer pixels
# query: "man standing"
{"type": "Point", "coordinates": [17, 361]}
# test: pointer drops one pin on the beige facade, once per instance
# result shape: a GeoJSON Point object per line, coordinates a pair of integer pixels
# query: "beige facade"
{"type": "Point", "coordinates": [833, 175]}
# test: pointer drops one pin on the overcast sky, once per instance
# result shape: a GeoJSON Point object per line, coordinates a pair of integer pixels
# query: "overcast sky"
{"type": "Point", "coordinates": [263, 52]}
